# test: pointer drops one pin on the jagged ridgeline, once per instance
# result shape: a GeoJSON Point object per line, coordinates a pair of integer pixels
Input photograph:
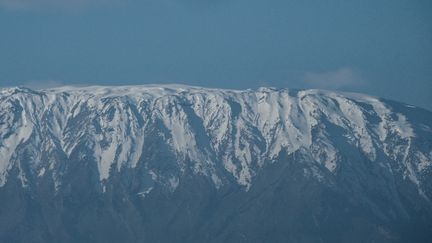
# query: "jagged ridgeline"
{"type": "Point", "coordinates": [188, 164]}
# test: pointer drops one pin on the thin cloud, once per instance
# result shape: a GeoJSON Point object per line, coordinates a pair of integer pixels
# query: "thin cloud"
{"type": "Point", "coordinates": [49, 4]}
{"type": "Point", "coordinates": [341, 78]}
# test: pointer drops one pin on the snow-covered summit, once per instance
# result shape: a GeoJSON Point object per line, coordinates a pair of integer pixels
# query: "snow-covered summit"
{"type": "Point", "coordinates": [167, 130]}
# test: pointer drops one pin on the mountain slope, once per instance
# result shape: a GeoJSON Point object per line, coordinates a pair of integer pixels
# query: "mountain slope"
{"type": "Point", "coordinates": [130, 163]}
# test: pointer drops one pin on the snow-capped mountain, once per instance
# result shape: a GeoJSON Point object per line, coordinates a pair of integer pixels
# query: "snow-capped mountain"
{"type": "Point", "coordinates": [143, 155]}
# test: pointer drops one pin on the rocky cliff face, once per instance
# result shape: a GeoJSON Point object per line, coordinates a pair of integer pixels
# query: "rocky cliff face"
{"type": "Point", "coordinates": [188, 164]}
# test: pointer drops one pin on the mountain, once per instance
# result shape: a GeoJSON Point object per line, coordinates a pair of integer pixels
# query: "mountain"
{"type": "Point", "coordinates": [189, 164]}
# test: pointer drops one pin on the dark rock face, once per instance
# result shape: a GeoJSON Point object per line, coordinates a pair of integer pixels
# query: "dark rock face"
{"type": "Point", "coordinates": [366, 180]}
{"type": "Point", "coordinates": [283, 205]}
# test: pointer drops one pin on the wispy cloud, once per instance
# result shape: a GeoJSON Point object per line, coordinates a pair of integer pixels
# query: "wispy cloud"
{"type": "Point", "coordinates": [49, 4]}
{"type": "Point", "coordinates": [341, 78]}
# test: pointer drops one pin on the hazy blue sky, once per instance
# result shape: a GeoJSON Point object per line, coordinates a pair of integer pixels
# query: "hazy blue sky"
{"type": "Point", "coordinates": [380, 47]}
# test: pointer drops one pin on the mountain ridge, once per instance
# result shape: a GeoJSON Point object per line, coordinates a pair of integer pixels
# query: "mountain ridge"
{"type": "Point", "coordinates": [89, 96]}
{"type": "Point", "coordinates": [145, 141]}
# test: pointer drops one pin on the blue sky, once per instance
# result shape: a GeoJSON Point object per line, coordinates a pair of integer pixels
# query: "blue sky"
{"type": "Point", "coordinates": [379, 47]}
